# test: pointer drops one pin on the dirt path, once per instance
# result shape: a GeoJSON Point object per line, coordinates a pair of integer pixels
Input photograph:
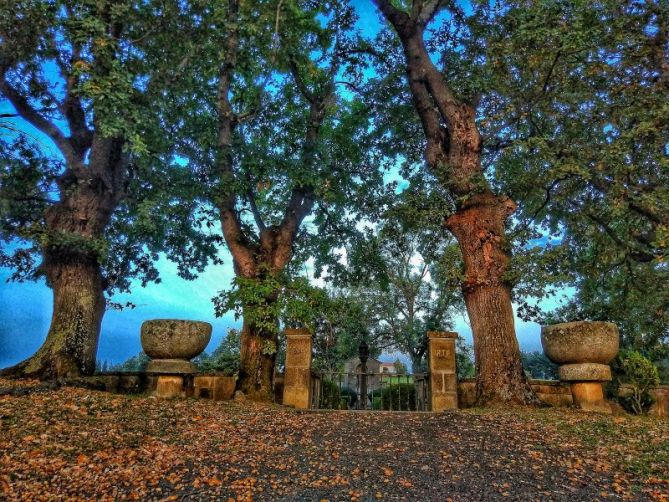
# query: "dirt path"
{"type": "Point", "coordinates": [74, 443]}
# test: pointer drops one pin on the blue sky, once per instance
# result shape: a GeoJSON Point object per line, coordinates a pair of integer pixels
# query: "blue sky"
{"type": "Point", "coordinates": [25, 308]}
{"type": "Point", "coordinates": [25, 312]}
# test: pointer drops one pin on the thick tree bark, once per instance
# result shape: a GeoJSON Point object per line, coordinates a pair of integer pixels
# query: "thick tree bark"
{"type": "Point", "coordinates": [259, 340]}
{"type": "Point", "coordinates": [71, 265]}
{"type": "Point", "coordinates": [91, 187]}
{"type": "Point", "coordinates": [263, 256]}
{"type": "Point", "coordinates": [257, 361]}
{"type": "Point", "coordinates": [453, 153]}
{"type": "Point", "coordinates": [479, 230]}
{"type": "Point", "coordinates": [72, 341]}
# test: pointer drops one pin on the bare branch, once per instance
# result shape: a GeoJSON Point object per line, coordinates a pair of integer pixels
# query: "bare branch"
{"type": "Point", "coordinates": [32, 116]}
{"type": "Point", "coordinates": [299, 81]}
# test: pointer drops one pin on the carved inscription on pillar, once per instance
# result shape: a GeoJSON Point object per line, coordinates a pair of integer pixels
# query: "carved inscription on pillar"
{"type": "Point", "coordinates": [297, 380]}
{"type": "Point", "coordinates": [443, 378]}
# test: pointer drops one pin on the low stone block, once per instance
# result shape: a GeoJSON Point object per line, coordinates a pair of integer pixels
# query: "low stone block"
{"type": "Point", "coordinates": [585, 372]}
{"type": "Point", "coordinates": [555, 399]}
{"type": "Point", "coordinates": [550, 388]}
{"type": "Point", "coordinates": [216, 387]}
{"type": "Point", "coordinates": [169, 386]}
{"type": "Point", "coordinates": [589, 396]}
{"type": "Point", "coordinates": [445, 401]}
{"type": "Point", "coordinates": [466, 393]}
{"type": "Point", "coordinates": [660, 408]}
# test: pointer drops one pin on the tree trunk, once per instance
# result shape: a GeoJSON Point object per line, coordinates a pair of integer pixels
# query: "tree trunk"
{"type": "Point", "coordinates": [479, 229]}
{"type": "Point", "coordinates": [416, 363]}
{"type": "Point", "coordinates": [72, 341]}
{"type": "Point", "coordinates": [453, 153]}
{"type": "Point", "coordinates": [71, 263]}
{"type": "Point", "coordinates": [258, 353]}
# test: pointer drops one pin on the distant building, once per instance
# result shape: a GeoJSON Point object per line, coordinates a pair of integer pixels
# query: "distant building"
{"type": "Point", "coordinates": [375, 369]}
{"type": "Point", "coordinates": [388, 368]}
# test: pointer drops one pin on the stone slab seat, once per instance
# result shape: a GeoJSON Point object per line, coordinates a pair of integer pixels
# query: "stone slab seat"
{"type": "Point", "coordinates": [585, 372]}
{"type": "Point", "coordinates": [171, 367]}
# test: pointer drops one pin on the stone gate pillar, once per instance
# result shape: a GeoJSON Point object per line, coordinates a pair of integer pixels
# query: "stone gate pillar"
{"type": "Point", "coordinates": [297, 379]}
{"type": "Point", "coordinates": [443, 377]}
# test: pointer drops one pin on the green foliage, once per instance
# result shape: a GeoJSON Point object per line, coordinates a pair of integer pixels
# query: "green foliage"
{"type": "Point", "coordinates": [538, 366]}
{"type": "Point", "coordinates": [635, 298]}
{"type": "Point", "coordinates": [225, 358]}
{"type": "Point", "coordinates": [102, 366]}
{"type": "Point", "coordinates": [262, 301]}
{"type": "Point", "coordinates": [638, 375]}
{"type": "Point", "coordinates": [25, 178]}
{"type": "Point", "coordinates": [90, 72]}
{"type": "Point", "coordinates": [337, 398]}
{"type": "Point", "coordinates": [464, 358]}
{"type": "Point", "coordinates": [578, 138]}
{"type": "Point", "coordinates": [407, 274]}
{"type": "Point", "coordinates": [343, 320]}
{"type": "Point", "coordinates": [399, 397]}
{"type": "Point", "coordinates": [571, 100]}
{"type": "Point", "coordinates": [400, 367]}
{"type": "Point", "coordinates": [134, 364]}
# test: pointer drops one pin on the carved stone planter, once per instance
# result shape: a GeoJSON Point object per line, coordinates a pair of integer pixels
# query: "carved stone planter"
{"type": "Point", "coordinates": [172, 343]}
{"type": "Point", "coordinates": [583, 350]}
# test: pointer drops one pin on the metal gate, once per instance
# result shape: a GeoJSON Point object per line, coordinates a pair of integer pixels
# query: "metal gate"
{"type": "Point", "coordinates": [370, 391]}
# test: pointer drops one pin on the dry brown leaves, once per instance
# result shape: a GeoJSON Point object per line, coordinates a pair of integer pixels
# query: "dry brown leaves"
{"type": "Point", "coordinates": [80, 444]}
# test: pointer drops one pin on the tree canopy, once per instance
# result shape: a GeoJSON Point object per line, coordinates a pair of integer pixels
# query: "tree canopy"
{"type": "Point", "coordinates": [467, 156]}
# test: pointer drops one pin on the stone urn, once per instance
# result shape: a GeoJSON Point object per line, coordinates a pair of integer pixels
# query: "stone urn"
{"type": "Point", "coordinates": [172, 343]}
{"type": "Point", "coordinates": [583, 350]}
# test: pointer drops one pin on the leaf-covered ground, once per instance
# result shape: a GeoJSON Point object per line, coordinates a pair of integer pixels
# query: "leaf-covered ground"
{"type": "Point", "coordinates": [79, 444]}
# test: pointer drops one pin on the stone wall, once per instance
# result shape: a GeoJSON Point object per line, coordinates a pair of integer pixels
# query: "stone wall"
{"type": "Point", "coordinates": [221, 387]}
{"type": "Point", "coordinates": [122, 382]}
{"type": "Point", "coordinates": [551, 392]}
{"type": "Point", "coordinates": [211, 385]}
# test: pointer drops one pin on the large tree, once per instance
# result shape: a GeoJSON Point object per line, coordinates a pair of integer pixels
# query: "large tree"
{"type": "Point", "coordinates": [83, 214]}
{"type": "Point", "coordinates": [580, 139]}
{"type": "Point", "coordinates": [408, 273]}
{"type": "Point", "coordinates": [453, 152]}
{"type": "Point", "coordinates": [560, 106]}
{"type": "Point", "coordinates": [273, 142]}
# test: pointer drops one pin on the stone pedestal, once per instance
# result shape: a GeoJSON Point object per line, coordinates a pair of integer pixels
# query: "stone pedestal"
{"type": "Point", "coordinates": [171, 366]}
{"type": "Point", "coordinates": [297, 379]}
{"type": "Point", "coordinates": [443, 377]}
{"type": "Point", "coordinates": [585, 380]}
{"type": "Point", "coordinates": [589, 396]}
{"type": "Point", "coordinates": [583, 350]}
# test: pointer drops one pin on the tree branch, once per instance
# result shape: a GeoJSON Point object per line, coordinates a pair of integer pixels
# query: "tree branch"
{"type": "Point", "coordinates": [299, 81]}
{"type": "Point", "coordinates": [254, 209]}
{"type": "Point", "coordinates": [32, 116]}
{"type": "Point", "coordinates": [235, 238]}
